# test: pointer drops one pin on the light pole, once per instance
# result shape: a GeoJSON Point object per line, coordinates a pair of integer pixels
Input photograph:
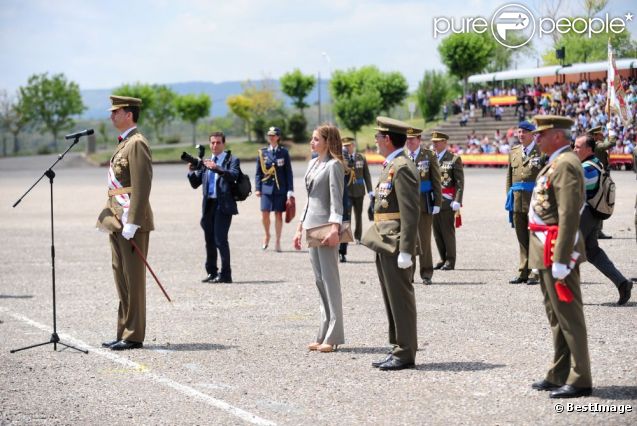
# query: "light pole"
{"type": "Point", "coordinates": [328, 107]}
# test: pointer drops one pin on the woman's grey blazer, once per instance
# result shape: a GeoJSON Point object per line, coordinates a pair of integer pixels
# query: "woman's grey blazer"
{"type": "Point", "coordinates": [325, 184]}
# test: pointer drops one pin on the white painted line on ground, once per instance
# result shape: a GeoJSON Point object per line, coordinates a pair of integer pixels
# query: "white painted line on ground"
{"type": "Point", "coordinates": [181, 388]}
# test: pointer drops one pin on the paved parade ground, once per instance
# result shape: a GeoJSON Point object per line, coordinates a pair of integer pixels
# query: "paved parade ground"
{"type": "Point", "coordinates": [236, 353]}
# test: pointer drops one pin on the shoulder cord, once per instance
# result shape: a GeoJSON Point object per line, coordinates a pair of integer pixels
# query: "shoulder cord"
{"type": "Point", "coordinates": [268, 173]}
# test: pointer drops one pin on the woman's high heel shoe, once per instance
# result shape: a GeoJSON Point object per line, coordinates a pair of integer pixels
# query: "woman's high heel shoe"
{"type": "Point", "coordinates": [266, 242]}
{"type": "Point", "coordinates": [327, 348]}
{"type": "Point", "coordinates": [277, 247]}
{"type": "Point", "coordinates": [313, 346]}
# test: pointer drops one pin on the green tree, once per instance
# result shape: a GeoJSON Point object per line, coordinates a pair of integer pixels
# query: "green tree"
{"type": "Point", "coordinates": [192, 108]}
{"type": "Point", "coordinates": [502, 57]}
{"type": "Point", "coordinates": [266, 107]}
{"type": "Point", "coordinates": [241, 106]}
{"type": "Point", "coordinates": [50, 102]}
{"type": "Point", "coordinates": [580, 48]}
{"type": "Point", "coordinates": [432, 93]}
{"type": "Point", "coordinates": [297, 86]}
{"type": "Point", "coordinates": [392, 88]}
{"type": "Point", "coordinates": [358, 109]}
{"type": "Point", "coordinates": [162, 111]}
{"type": "Point", "coordinates": [145, 92]}
{"type": "Point", "coordinates": [13, 119]}
{"type": "Point", "coordinates": [466, 54]}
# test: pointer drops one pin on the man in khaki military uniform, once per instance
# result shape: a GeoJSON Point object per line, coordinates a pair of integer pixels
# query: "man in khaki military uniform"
{"type": "Point", "coordinates": [393, 237]}
{"type": "Point", "coordinates": [128, 216]}
{"type": "Point", "coordinates": [452, 182]}
{"type": "Point", "coordinates": [360, 184]}
{"type": "Point", "coordinates": [602, 146]}
{"type": "Point", "coordinates": [556, 250]}
{"type": "Point", "coordinates": [525, 162]}
{"type": "Point", "coordinates": [430, 199]}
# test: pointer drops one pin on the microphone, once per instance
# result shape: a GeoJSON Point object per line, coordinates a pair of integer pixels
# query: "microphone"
{"type": "Point", "coordinates": [76, 135]}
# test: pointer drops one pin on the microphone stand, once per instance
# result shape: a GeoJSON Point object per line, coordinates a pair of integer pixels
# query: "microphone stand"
{"type": "Point", "coordinates": [55, 339]}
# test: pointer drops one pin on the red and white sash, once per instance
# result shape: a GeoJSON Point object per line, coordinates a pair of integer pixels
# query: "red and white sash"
{"type": "Point", "coordinates": [122, 199]}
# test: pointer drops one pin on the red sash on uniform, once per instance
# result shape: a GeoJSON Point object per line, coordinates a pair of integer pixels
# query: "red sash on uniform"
{"type": "Point", "coordinates": [551, 237]}
{"type": "Point", "coordinates": [451, 191]}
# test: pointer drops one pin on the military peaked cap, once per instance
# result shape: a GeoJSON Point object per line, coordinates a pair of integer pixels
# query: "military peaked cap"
{"type": "Point", "coordinates": [547, 122]}
{"type": "Point", "coordinates": [439, 136]}
{"type": "Point", "coordinates": [386, 124]}
{"type": "Point", "coordinates": [118, 102]}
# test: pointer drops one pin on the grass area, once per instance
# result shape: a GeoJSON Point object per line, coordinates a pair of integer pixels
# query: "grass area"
{"type": "Point", "coordinates": [244, 150]}
{"type": "Point", "coordinates": [247, 151]}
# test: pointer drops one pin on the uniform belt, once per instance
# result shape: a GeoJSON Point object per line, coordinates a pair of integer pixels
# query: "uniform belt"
{"type": "Point", "coordinates": [549, 242]}
{"type": "Point", "coordinates": [381, 217]}
{"type": "Point", "coordinates": [120, 191]}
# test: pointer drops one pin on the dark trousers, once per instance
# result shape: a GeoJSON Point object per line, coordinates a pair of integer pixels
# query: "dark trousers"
{"type": "Point", "coordinates": [521, 225]}
{"type": "Point", "coordinates": [357, 205]}
{"type": "Point", "coordinates": [445, 235]}
{"type": "Point", "coordinates": [589, 226]}
{"type": "Point", "coordinates": [216, 225]}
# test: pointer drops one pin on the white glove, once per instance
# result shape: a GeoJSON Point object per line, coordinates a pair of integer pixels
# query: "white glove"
{"type": "Point", "coordinates": [612, 133]}
{"type": "Point", "coordinates": [559, 271]}
{"type": "Point", "coordinates": [455, 206]}
{"type": "Point", "coordinates": [129, 230]}
{"type": "Point", "coordinates": [435, 210]}
{"type": "Point", "coordinates": [404, 260]}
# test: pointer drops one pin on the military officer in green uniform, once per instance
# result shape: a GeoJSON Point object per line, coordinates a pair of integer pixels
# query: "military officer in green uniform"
{"type": "Point", "coordinates": [556, 250]}
{"type": "Point", "coordinates": [525, 162]}
{"type": "Point", "coordinates": [128, 216]}
{"type": "Point", "coordinates": [393, 237]}
{"type": "Point", "coordinates": [602, 146]}
{"type": "Point", "coordinates": [452, 183]}
{"type": "Point", "coordinates": [360, 184]}
{"type": "Point", "coordinates": [430, 198]}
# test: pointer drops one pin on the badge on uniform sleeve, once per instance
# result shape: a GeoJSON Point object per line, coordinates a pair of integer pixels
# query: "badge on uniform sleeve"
{"type": "Point", "coordinates": [280, 162]}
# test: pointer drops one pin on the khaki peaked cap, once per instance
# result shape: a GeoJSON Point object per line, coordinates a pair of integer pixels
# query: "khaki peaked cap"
{"type": "Point", "coordinates": [118, 102]}
{"type": "Point", "coordinates": [547, 122]}
{"type": "Point", "coordinates": [386, 124]}
{"type": "Point", "coordinates": [439, 136]}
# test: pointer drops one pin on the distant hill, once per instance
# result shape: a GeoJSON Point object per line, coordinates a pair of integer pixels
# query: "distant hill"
{"type": "Point", "coordinates": [97, 101]}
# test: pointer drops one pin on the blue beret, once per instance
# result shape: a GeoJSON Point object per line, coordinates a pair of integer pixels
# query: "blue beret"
{"type": "Point", "coordinates": [525, 125]}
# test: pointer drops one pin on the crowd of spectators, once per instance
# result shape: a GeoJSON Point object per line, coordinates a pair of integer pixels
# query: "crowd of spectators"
{"type": "Point", "coordinates": [584, 102]}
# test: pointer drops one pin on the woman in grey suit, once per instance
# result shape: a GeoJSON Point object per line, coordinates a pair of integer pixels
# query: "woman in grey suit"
{"type": "Point", "coordinates": [324, 181]}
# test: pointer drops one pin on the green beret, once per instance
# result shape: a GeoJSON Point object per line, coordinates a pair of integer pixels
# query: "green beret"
{"type": "Point", "coordinates": [547, 122]}
{"type": "Point", "coordinates": [594, 130]}
{"type": "Point", "coordinates": [118, 102]}
{"type": "Point", "coordinates": [386, 124]}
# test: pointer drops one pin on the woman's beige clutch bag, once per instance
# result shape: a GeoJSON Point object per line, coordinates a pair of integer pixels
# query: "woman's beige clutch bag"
{"type": "Point", "coordinates": [317, 234]}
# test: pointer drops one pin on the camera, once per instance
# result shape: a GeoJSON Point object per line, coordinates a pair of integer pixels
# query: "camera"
{"type": "Point", "coordinates": [197, 163]}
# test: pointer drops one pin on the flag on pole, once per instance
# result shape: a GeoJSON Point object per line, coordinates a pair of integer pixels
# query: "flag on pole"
{"type": "Point", "coordinates": [616, 96]}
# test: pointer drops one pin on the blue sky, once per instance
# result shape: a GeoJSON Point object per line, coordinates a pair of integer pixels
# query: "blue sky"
{"type": "Point", "coordinates": [102, 44]}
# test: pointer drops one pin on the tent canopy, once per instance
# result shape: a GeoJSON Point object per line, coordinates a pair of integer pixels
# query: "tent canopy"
{"type": "Point", "coordinates": [622, 64]}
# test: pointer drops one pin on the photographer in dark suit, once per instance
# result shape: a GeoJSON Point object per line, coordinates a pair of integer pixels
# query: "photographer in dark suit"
{"type": "Point", "coordinates": [218, 205]}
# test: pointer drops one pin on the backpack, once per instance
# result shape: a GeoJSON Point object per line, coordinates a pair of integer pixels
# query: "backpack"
{"type": "Point", "coordinates": [242, 187]}
{"type": "Point", "coordinates": [603, 202]}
